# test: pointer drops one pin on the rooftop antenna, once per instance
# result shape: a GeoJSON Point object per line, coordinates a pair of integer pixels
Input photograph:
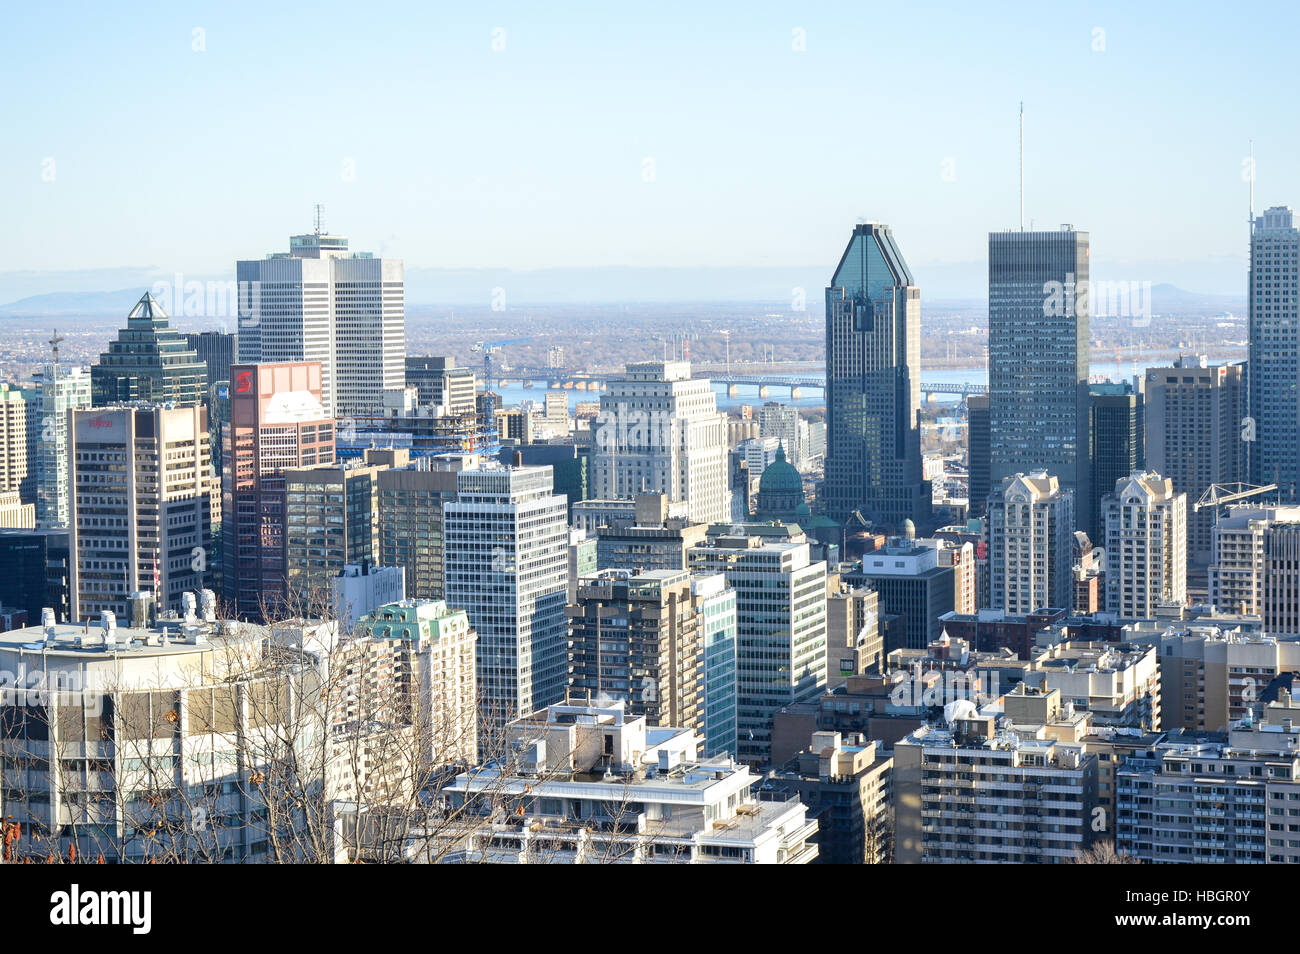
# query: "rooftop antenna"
{"type": "Point", "coordinates": [1022, 165]}
{"type": "Point", "coordinates": [319, 209]}
{"type": "Point", "coordinates": [54, 345]}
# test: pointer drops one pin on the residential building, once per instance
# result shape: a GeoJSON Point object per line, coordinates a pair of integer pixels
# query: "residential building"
{"type": "Point", "coordinates": [595, 784]}
{"type": "Point", "coordinates": [1146, 545]}
{"type": "Point", "coordinates": [1031, 521]}
{"type": "Point", "coordinates": [854, 641]}
{"type": "Point", "coordinates": [62, 389]}
{"type": "Point", "coordinates": [1255, 565]}
{"type": "Point", "coordinates": [361, 590]}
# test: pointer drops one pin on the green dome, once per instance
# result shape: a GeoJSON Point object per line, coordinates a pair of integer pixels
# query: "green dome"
{"type": "Point", "coordinates": [780, 477]}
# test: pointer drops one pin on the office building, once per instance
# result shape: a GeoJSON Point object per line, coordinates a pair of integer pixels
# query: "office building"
{"type": "Point", "coordinates": [440, 383]}
{"type": "Point", "coordinates": [35, 571]}
{"type": "Point", "coordinates": [873, 385]}
{"type": "Point", "coordinates": [217, 350]}
{"type": "Point", "coordinates": [598, 785]}
{"type": "Point", "coordinates": [62, 389]}
{"type": "Point", "coordinates": [659, 430]}
{"type": "Point", "coordinates": [1038, 360]}
{"type": "Point", "coordinates": [1114, 419]}
{"type": "Point", "coordinates": [1031, 521]}
{"type": "Point", "coordinates": [1274, 366]}
{"type": "Point", "coordinates": [331, 520]}
{"type": "Point", "coordinates": [977, 454]}
{"type": "Point", "coordinates": [506, 564]}
{"type": "Point", "coordinates": [277, 423]}
{"type": "Point", "coordinates": [1193, 437]}
{"type": "Point", "coordinates": [1146, 545]}
{"type": "Point", "coordinates": [143, 505]}
{"type": "Point", "coordinates": [912, 583]}
{"type": "Point", "coordinates": [149, 361]}
{"type": "Point", "coordinates": [781, 628]}
{"type": "Point", "coordinates": [715, 605]}
{"type": "Point", "coordinates": [320, 302]}
{"type": "Point", "coordinates": [411, 525]}
{"type": "Point", "coordinates": [653, 540]}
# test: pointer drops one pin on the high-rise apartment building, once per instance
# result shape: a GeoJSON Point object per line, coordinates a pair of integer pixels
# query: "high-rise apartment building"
{"type": "Point", "coordinates": [142, 506]}
{"type": "Point", "coordinates": [1194, 436]}
{"type": "Point", "coordinates": [659, 430]}
{"type": "Point", "coordinates": [1274, 366]}
{"type": "Point", "coordinates": [781, 627]}
{"type": "Point", "coordinates": [320, 302]}
{"type": "Point", "coordinates": [62, 390]}
{"type": "Point", "coordinates": [1031, 519]}
{"type": "Point", "coordinates": [150, 361]}
{"type": "Point", "coordinates": [506, 564]}
{"type": "Point", "coordinates": [1038, 359]}
{"type": "Point", "coordinates": [277, 423]}
{"type": "Point", "coordinates": [1255, 566]}
{"type": "Point", "coordinates": [873, 385]}
{"type": "Point", "coordinates": [1146, 545]}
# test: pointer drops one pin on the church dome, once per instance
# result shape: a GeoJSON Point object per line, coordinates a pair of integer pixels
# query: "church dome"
{"type": "Point", "coordinates": [780, 477]}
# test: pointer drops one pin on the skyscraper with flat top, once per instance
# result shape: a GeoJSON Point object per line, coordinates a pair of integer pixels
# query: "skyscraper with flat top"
{"type": "Point", "coordinates": [320, 302]}
{"type": "Point", "coordinates": [1038, 360]}
{"type": "Point", "coordinates": [873, 385]}
{"type": "Point", "coordinates": [1273, 372]}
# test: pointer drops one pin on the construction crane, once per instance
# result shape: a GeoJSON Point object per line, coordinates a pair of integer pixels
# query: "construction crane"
{"type": "Point", "coordinates": [1216, 495]}
{"type": "Point", "coordinates": [489, 411]}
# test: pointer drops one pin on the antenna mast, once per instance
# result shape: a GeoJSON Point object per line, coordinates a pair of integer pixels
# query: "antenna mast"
{"type": "Point", "coordinates": [54, 345]}
{"type": "Point", "coordinates": [319, 209]}
{"type": "Point", "coordinates": [1022, 165]}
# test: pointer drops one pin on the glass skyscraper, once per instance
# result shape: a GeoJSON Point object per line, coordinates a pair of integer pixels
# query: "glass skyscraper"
{"type": "Point", "coordinates": [149, 361]}
{"type": "Point", "coordinates": [873, 385]}
{"type": "Point", "coordinates": [1273, 435]}
{"type": "Point", "coordinates": [1038, 360]}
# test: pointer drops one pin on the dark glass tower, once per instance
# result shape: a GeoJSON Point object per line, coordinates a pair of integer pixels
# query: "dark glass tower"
{"type": "Point", "coordinates": [873, 385]}
{"type": "Point", "coordinates": [149, 362]}
{"type": "Point", "coordinates": [1038, 360]}
{"type": "Point", "coordinates": [977, 454]}
{"type": "Point", "coordinates": [1116, 445]}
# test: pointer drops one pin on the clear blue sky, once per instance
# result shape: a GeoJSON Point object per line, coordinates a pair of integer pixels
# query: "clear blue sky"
{"type": "Point", "coordinates": [534, 156]}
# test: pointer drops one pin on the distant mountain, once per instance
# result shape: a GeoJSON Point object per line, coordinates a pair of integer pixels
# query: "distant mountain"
{"type": "Point", "coordinates": [75, 303]}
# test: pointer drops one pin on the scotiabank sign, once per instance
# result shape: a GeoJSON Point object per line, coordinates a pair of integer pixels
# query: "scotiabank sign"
{"type": "Point", "coordinates": [244, 382]}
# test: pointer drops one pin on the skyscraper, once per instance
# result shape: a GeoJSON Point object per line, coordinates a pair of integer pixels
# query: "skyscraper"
{"type": "Point", "coordinates": [506, 564]}
{"type": "Point", "coordinates": [660, 431]}
{"type": "Point", "coordinates": [320, 302]}
{"type": "Point", "coordinates": [150, 361]}
{"type": "Point", "coordinates": [1113, 422]}
{"type": "Point", "coordinates": [1038, 359]}
{"type": "Point", "coordinates": [143, 503]}
{"type": "Point", "coordinates": [277, 422]}
{"type": "Point", "coordinates": [873, 385]}
{"type": "Point", "coordinates": [217, 350]}
{"type": "Point", "coordinates": [1193, 437]}
{"type": "Point", "coordinates": [411, 525]}
{"type": "Point", "coordinates": [1274, 367]}
{"type": "Point", "coordinates": [62, 389]}
{"type": "Point", "coordinates": [17, 415]}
